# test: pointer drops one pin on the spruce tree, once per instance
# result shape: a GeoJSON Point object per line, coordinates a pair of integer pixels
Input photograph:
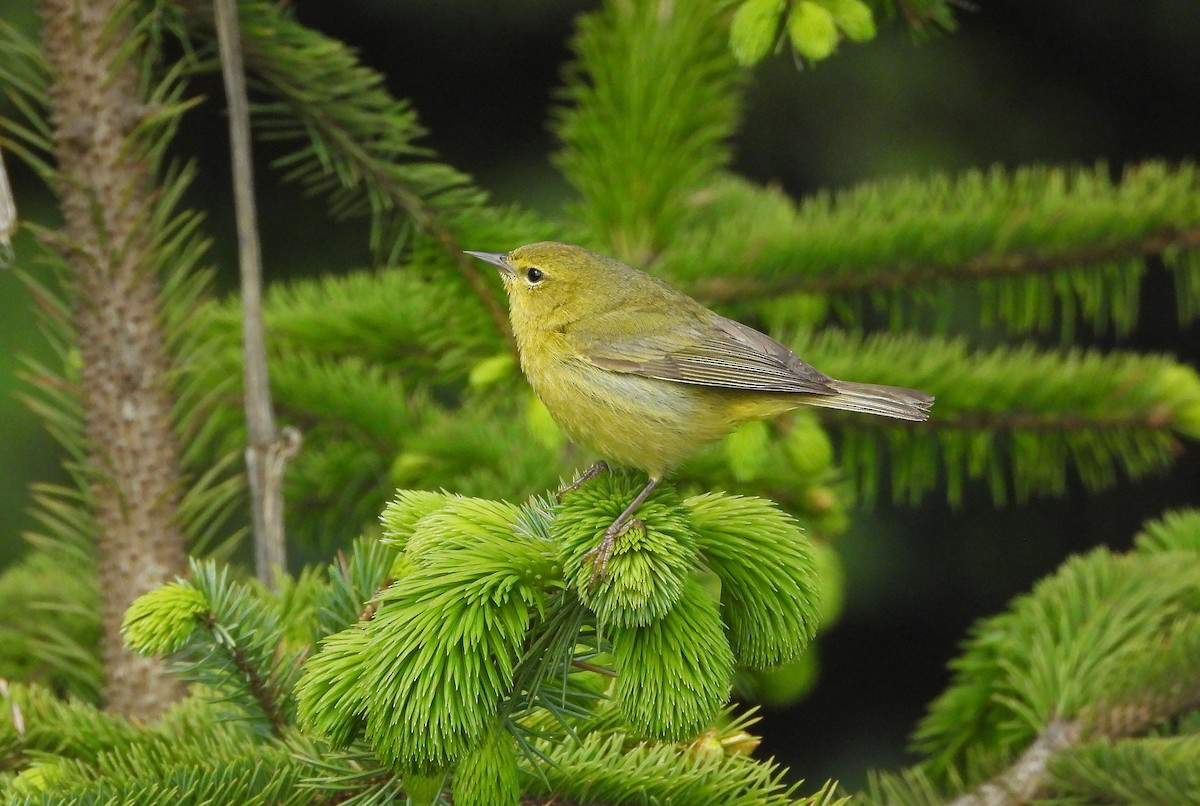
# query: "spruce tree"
{"type": "Point", "coordinates": [452, 646]}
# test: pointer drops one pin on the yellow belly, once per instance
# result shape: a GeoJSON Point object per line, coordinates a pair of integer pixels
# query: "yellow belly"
{"type": "Point", "coordinates": [640, 422]}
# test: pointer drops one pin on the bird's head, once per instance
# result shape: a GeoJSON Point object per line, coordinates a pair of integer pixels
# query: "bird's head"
{"type": "Point", "coordinates": [551, 283]}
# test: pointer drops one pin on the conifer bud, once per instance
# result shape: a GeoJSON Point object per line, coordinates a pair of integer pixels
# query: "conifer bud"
{"type": "Point", "coordinates": [423, 790]}
{"type": "Point", "coordinates": [674, 674]}
{"type": "Point", "coordinates": [753, 30]}
{"type": "Point", "coordinates": [820, 500]}
{"type": "Point", "coordinates": [160, 622]}
{"type": "Point", "coordinates": [782, 685]}
{"type": "Point", "coordinates": [853, 17]}
{"type": "Point", "coordinates": [651, 561]}
{"type": "Point", "coordinates": [490, 370]}
{"type": "Point", "coordinates": [741, 743]}
{"type": "Point", "coordinates": [1183, 384]}
{"type": "Point", "coordinates": [808, 446]}
{"type": "Point", "coordinates": [542, 425]}
{"type": "Point", "coordinates": [747, 450]}
{"type": "Point", "coordinates": [400, 517]}
{"type": "Point", "coordinates": [488, 775]}
{"type": "Point", "coordinates": [706, 746]}
{"type": "Point", "coordinates": [828, 510]}
{"type": "Point", "coordinates": [409, 468]}
{"type": "Point", "coordinates": [812, 30]}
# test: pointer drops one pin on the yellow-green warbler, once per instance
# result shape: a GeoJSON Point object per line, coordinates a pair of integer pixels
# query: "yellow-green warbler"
{"type": "Point", "coordinates": [644, 375]}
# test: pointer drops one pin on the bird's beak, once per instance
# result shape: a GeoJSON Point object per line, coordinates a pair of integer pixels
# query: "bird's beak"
{"type": "Point", "coordinates": [497, 259]}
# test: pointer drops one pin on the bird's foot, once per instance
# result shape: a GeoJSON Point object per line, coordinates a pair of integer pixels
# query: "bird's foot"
{"type": "Point", "coordinates": [600, 555]}
{"type": "Point", "coordinates": [584, 478]}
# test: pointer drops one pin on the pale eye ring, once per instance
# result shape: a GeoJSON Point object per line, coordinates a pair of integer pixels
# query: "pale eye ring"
{"type": "Point", "coordinates": [534, 275]}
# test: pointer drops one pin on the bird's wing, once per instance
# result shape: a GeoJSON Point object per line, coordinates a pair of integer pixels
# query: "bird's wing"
{"type": "Point", "coordinates": [696, 347]}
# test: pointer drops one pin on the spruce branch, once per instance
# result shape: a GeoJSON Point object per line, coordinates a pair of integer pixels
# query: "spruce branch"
{"type": "Point", "coordinates": [608, 768]}
{"type": "Point", "coordinates": [357, 143]}
{"type": "Point", "coordinates": [1177, 529]}
{"type": "Point", "coordinates": [1108, 648]}
{"type": "Point", "coordinates": [44, 723]}
{"type": "Point", "coordinates": [1156, 769]}
{"type": "Point", "coordinates": [1067, 696]}
{"type": "Point", "coordinates": [172, 246]}
{"type": "Point", "coordinates": [983, 267]}
{"type": "Point", "coordinates": [653, 97]}
{"type": "Point", "coordinates": [1032, 774]}
{"type": "Point", "coordinates": [479, 607]}
{"type": "Point", "coordinates": [1021, 782]}
{"type": "Point", "coordinates": [1017, 418]}
{"type": "Point", "coordinates": [1039, 247]}
{"type": "Point", "coordinates": [225, 636]}
{"type": "Point", "coordinates": [268, 448]}
{"type": "Point", "coordinates": [55, 639]}
{"type": "Point", "coordinates": [263, 693]}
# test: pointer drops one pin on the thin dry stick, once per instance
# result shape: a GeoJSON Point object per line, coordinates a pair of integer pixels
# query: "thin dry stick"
{"type": "Point", "coordinates": [268, 449]}
{"type": "Point", "coordinates": [8, 215]}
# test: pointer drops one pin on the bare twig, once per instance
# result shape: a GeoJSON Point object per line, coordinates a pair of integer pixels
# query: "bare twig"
{"type": "Point", "coordinates": [268, 449]}
{"type": "Point", "coordinates": [8, 215]}
{"type": "Point", "coordinates": [591, 667]}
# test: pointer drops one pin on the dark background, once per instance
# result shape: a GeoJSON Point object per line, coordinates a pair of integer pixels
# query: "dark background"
{"type": "Point", "coordinates": [1018, 83]}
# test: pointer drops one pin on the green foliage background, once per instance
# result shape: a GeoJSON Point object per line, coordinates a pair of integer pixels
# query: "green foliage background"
{"type": "Point", "coordinates": [1019, 83]}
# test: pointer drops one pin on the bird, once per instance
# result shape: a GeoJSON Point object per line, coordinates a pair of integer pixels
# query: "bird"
{"type": "Point", "coordinates": [644, 375]}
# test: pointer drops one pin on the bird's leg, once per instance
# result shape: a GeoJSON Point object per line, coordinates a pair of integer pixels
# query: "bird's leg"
{"type": "Point", "coordinates": [584, 478]}
{"type": "Point", "coordinates": [624, 522]}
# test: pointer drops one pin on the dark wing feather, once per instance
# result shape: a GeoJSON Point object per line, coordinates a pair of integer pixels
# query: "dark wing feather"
{"type": "Point", "coordinates": [695, 346]}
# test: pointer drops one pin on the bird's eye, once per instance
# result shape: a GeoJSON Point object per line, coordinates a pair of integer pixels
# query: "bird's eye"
{"type": "Point", "coordinates": [534, 275]}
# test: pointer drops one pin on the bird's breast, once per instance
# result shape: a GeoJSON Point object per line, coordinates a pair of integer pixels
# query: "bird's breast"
{"type": "Point", "coordinates": [640, 422]}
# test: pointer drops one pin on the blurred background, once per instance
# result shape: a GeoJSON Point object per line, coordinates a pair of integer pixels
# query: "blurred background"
{"type": "Point", "coordinates": [1019, 82]}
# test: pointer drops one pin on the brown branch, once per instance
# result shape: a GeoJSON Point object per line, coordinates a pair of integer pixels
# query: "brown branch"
{"type": "Point", "coordinates": [1027, 778]}
{"type": "Point", "coordinates": [106, 194]}
{"type": "Point", "coordinates": [470, 269]}
{"type": "Point", "coordinates": [591, 667]}
{"type": "Point", "coordinates": [426, 219]}
{"type": "Point", "coordinates": [371, 606]}
{"type": "Point", "coordinates": [1021, 782]}
{"type": "Point", "coordinates": [260, 689]}
{"type": "Point", "coordinates": [268, 448]}
{"type": "Point", "coordinates": [884, 278]}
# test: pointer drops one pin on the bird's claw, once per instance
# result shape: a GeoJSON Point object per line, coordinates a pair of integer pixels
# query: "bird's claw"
{"type": "Point", "coordinates": [584, 478]}
{"type": "Point", "coordinates": [600, 555]}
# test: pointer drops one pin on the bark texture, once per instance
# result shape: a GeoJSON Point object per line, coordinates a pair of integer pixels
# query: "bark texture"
{"type": "Point", "coordinates": [133, 455]}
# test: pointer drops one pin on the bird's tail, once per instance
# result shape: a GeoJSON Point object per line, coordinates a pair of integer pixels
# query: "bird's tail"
{"type": "Point", "coordinates": [888, 401]}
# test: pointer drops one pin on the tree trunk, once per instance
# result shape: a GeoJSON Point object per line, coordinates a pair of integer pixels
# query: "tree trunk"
{"type": "Point", "coordinates": [132, 452]}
